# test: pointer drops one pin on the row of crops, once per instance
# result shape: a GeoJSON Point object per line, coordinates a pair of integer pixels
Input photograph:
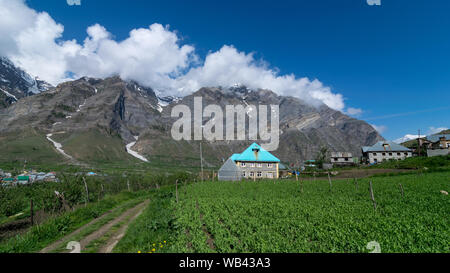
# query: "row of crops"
{"type": "Point", "coordinates": [308, 216]}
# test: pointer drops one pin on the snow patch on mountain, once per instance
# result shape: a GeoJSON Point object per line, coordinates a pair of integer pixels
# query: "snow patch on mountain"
{"type": "Point", "coordinates": [407, 137]}
{"type": "Point", "coordinates": [133, 153]}
{"type": "Point", "coordinates": [58, 146]}
{"type": "Point", "coordinates": [9, 94]}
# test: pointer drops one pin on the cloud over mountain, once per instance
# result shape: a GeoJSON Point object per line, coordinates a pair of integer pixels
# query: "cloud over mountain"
{"type": "Point", "coordinates": [153, 56]}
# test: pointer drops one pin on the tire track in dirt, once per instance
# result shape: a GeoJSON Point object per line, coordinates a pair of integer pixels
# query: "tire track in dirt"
{"type": "Point", "coordinates": [104, 229]}
{"type": "Point", "coordinates": [56, 244]}
{"type": "Point", "coordinates": [114, 240]}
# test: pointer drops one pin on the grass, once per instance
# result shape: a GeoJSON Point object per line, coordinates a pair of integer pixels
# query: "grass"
{"type": "Point", "coordinates": [42, 235]}
{"type": "Point", "coordinates": [266, 217]}
{"type": "Point", "coordinates": [436, 162]}
{"type": "Point", "coordinates": [89, 230]}
{"type": "Point", "coordinates": [28, 145]}
{"type": "Point", "coordinates": [153, 227]}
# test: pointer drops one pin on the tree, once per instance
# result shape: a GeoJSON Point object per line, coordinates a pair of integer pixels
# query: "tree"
{"type": "Point", "coordinates": [321, 157]}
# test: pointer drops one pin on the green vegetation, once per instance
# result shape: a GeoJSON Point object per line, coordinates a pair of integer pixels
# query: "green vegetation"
{"type": "Point", "coordinates": [29, 146]}
{"type": "Point", "coordinates": [95, 146]}
{"type": "Point", "coordinates": [108, 218]}
{"type": "Point", "coordinates": [17, 199]}
{"type": "Point", "coordinates": [290, 216]}
{"type": "Point", "coordinates": [64, 107]}
{"type": "Point", "coordinates": [40, 236]}
{"type": "Point", "coordinates": [435, 163]}
{"type": "Point", "coordinates": [156, 226]}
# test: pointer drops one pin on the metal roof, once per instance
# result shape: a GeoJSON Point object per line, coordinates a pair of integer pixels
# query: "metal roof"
{"type": "Point", "coordinates": [385, 146]}
{"type": "Point", "coordinates": [230, 171]}
{"type": "Point", "coordinates": [435, 138]}
{"type": "Point", "coordinates": [255, 153]}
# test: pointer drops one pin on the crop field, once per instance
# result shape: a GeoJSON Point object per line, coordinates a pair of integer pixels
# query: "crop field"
{"type": "Point", "coordinates": [291, 216]}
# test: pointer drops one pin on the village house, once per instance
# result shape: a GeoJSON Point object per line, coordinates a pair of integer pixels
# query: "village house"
{"type": "Point", "coordinates": [342, 159]}
{"type": "Point", "coordinates": [438, 145]}
{"type": "Point", "coordinates": [383, 151]}
{"type": "Point", "coordinates": [254, 163]}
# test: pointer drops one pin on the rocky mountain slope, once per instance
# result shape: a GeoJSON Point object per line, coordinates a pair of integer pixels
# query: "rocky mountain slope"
{"type": "Point", "coordinates": [95, 119]}
{"type": "Point", "coordinates": [16, 83]}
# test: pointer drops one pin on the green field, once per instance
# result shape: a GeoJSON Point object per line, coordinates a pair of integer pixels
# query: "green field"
{"type": "Point", "coordinates": [268, 217]}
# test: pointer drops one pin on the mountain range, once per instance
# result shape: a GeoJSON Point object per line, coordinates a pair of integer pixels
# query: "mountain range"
{"type": "Point", "coordinates": [16, 83]}
{"type": "Point", "coordinates": [106, 120]}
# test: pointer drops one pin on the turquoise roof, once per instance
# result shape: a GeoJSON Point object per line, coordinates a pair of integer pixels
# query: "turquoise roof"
{"type": "Point", "coordinates": [255, 153]}
{"type": "Point", "coordinates": [235, 156]}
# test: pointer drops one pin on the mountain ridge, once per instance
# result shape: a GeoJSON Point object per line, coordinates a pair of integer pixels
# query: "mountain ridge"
{"type": "Point", "coordinates": [111, 107]}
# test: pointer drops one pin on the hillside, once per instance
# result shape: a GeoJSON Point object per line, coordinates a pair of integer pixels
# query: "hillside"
{"type": "Point", "coordinates": [94, 119]}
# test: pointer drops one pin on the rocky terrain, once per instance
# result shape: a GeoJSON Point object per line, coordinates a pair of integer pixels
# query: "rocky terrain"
{"type": "Point", "coordinates": [97, 118]}
{"type": "Point", "coordinates": [16, 83]}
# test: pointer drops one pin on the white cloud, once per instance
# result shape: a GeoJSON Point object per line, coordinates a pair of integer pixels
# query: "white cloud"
{"type": "Point", "coordinates": [354, 111]}
{"type": "Point", "coordinates": [228, 66]}
{"type": "Point", "coordinates": [379, 128]}
{"type": "Point", "coordinates": [151, 56]}
{"type": "Point", "coordinates": [433, 130]}
{"type": "Point", "coordinates": [407, 137]}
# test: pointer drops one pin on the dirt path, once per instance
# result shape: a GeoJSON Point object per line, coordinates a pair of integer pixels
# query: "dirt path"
{"type": "Point", "coordinates": [114, 240]}
{"type": "Point", "coordinates": [56, 244]}
{"type": "Point", "coordinates": [104, 229]}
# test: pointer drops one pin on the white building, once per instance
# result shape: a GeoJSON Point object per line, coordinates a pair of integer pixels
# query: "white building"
{"type": "Point", "coordinates": [341, 158]}
{"type": "Point", "coordinates": [385, 150]}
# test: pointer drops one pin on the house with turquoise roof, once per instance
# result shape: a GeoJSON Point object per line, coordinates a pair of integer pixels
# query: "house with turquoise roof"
{"type": "Point", "coordinates": [254, 163]}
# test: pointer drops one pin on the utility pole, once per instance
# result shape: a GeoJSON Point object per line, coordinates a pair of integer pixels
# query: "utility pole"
{"type": "Point", "coordinates": [418, 144]}
{"type": "Point", "coordinates": [201, 159]}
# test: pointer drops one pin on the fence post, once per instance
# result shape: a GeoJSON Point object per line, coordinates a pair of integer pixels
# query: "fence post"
{"type": "Point", "coordinates": [128, 184]}
{"type": "Point", "coordinates": [32, 212]}
{"type": "Point", "coordinates": [401, 188]}
{"type": "Point", "coordinates": [356, 183]}
{"type": "Point", "coordinates": [87, 191]}
{"type": "Point", "coordinates": [372, 197]}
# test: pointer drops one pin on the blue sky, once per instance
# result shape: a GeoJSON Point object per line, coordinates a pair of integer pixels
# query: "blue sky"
{"type": "Point", "coordinates": [391, 61]}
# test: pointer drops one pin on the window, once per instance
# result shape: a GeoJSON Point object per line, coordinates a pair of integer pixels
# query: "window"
{"type": "Point", "coordinates": [390, 154]}
{"type": "Point", "coordinates": [252, 165]}
{"type": "Point", "coordinates": [252, 174]}
{"type": "Point", "coordinates": [270, 175]}
{"type": "Point", "coordinates": [374, 154]}
{"type": "Point", "coordinates": [346, 159]}
{"type": "Point", "coordinates": [259, 165]}
{"type": "Point", "coordinates": [242, 164]}
{"type": "Point", "coordinates": [384, 154]}
{"type": "Point", "coordinates": [259, 174]}
{"type": "Point", "coordinates": [335, 159]}
{"type": "Point", "coordinates": [406, 154]}
{"type": "Point", "coordinates": [243, 174]}
{"type": "Point", "coordinates": [398, 154]}
{"type": "Point", "coordinates": [269, 165]}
